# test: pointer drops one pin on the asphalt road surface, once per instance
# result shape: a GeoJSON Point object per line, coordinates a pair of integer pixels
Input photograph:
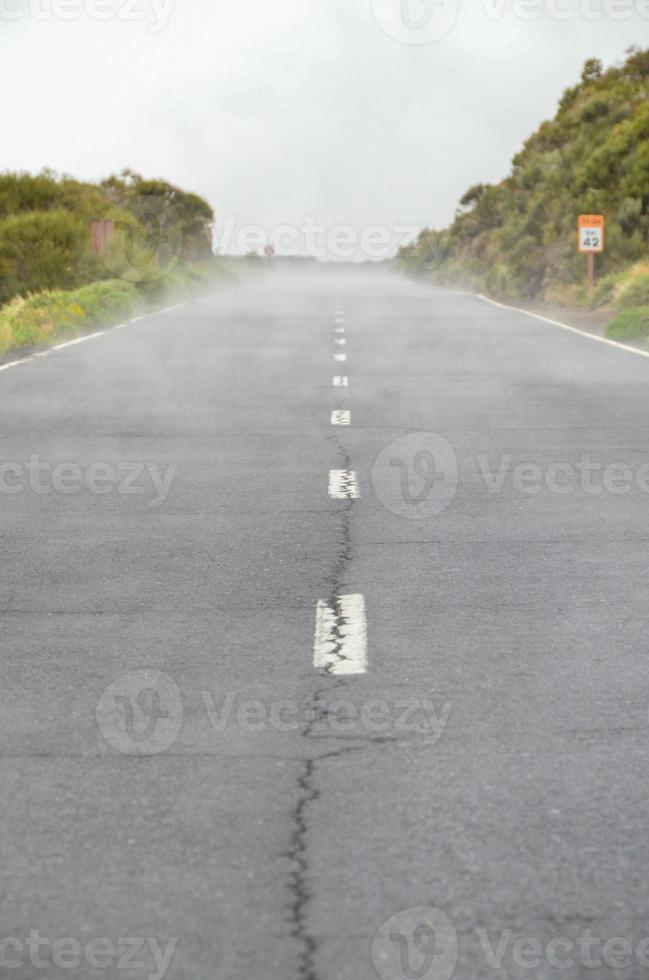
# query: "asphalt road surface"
{"type": "Point", "coordinates": [294, 695]}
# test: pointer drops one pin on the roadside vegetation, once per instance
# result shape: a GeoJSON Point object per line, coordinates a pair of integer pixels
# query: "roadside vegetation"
{"type": "Point", "coordinates": [517, 239]}
{"type": "Point", "coordinates": [53, 283]}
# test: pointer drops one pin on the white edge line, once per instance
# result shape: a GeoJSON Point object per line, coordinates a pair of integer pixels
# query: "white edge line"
{"type": "Point", "coordinates": [78, 340]}
{"type": "Point", "coordinates": [565, 326]}
{"type": "Point", "coordinates": [12, 364]}
{"type": "Point", "coordinates": [89, 336]}
{"type": "Point", "coordinates": [176, 306]}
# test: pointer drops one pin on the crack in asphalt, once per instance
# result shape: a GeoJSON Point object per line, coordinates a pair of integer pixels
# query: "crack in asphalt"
{"type": "Point", "coordinates": [308, 793]}
{"type": "Point", "coordinates": [299, 885]}
{"type": "Point", "coordinates": [337, 580]}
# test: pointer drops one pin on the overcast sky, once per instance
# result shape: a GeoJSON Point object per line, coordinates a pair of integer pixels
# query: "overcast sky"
{"type": "Point", "coordinates": [281, 112]}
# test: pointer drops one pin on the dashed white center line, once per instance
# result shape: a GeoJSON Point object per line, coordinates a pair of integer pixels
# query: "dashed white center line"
{"type": "Point", "coordinates": [340, 341]}
{"type": "Point", "coordinates": [341, 381]}
{"type": "Point", "coordinates": [341, 417]}
{"type": "Point", "coordinates": [343, 485]}
{"type": "Point", "coordinates": [340, 644]}
{"type": "Point", "coordinates": [340, 357]}
{"type": "Point", "coordinates": [339, 329]}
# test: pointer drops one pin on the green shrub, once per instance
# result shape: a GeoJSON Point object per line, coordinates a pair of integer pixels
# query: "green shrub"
{"type": "Point", "coordinates": [45, 240]}
{"type": "Point", "coordinates": [498, 280]}
{"type": "Point", "coordinates": [44, 250]}
{"type": "Point", "coordinates": [635, 294]}
{"type": "Point", "coordinates": [102, 300]}
{"type": "Point", "coordinates": [42, 317]}
{"type": "Point", "coordinates": [630, 324]}
{"type": "Point", "coordinates": [33, 321]}
{"type": "Point", "coordinates": [604, 291]}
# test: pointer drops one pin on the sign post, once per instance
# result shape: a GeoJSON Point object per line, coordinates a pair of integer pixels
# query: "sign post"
{"type": "Point", "coordinates": [101, 232]}
{"type": "Point", "coordinates": [590, 239]}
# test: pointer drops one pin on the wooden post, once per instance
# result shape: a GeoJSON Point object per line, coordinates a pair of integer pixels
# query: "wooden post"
{"type": "Point", "coordinates": [591, 272]}
{"type": "Point", "coordinates": [101, 232]}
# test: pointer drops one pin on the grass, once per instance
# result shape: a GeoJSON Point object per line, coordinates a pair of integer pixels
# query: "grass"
{"type": "Point", "coordinates": [634, 294]}
{"type": "Point", "coordinates": [44, 317]}
{"type": "Point", "coordinates": [630, 324]}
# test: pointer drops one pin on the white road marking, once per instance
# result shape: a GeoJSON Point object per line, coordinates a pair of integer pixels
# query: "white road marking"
{"type": "Point", "coordinates": [12, 364]}
{"type": "Point", "coordinates": [176, 306]}
{"type": "Point", "coordinates": [85, 337]}
{"type": "Point", "coordinates": [341, 417]}
{"type": "Point", "coordinates": [343, 485]}
{"type": "Point", "coordinates": [339, 329]}
{"type": "Point", "coordinates": [340, 644]}
{"type": "Point", "coordinates": [46, 353]}
{"type": "Point", "coordinates": [340, 341]}
{"type": "Point", "coordinates": [340, 357]}
{"type": "Point", "coordinates": [565, 326]}
{"type": "Point", "coordinates": [341, 381]}
{"type": "Point", "coordinates": [78, 340]}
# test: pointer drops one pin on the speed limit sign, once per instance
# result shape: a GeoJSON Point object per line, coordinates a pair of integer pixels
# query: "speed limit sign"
{"type": "Point", "coordinates": [591, 233]}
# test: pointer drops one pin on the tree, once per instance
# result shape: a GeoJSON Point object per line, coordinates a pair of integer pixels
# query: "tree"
{"type": "Point", "coordinates": [593, 69]}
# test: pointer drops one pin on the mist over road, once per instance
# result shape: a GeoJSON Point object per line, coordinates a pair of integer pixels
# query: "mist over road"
{"type": "Point", "coordinates": [324, 599]}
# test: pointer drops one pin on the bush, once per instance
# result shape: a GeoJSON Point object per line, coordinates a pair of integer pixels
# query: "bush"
{"type": "Point", "coordinates": [100, 301]}
{"type": "Point", "coordinates": [45, 221]}
{"type": "Point", "coordinates": [32, 321]}
{"type": "Point", "coordinates": [43, 250]}
{"type": "Point", "coordinates": [631, 324]}
{"type": "Point", "coordinates": [605, 289]}
{"type": "Point", "coordinates": [635, 294]}
{"type": "Point", "coordinates": [498, 280]}
{"type": "Point", "coordinates": [45, 316]}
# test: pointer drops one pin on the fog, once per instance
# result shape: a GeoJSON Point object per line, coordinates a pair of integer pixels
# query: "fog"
{"type": "Point", "coordinates": [315, 123]}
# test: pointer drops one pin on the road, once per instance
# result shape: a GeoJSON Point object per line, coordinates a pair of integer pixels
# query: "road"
{"type": "Point", "coordinates": [270, 683]}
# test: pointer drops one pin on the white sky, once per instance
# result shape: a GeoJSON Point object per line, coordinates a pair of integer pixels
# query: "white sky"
{"type": "Point", "coordinates": [286, 111]}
